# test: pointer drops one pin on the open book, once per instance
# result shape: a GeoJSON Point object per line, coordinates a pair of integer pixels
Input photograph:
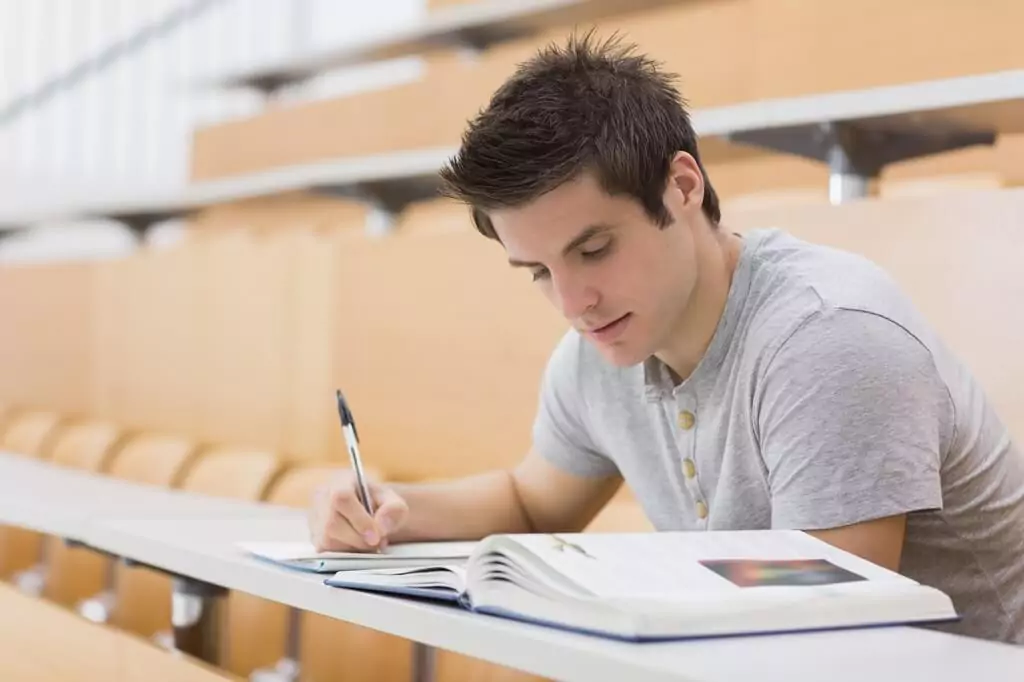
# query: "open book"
{"type": "Point", "coordinates": [649, 586]}
{"type": "Point", "coordinates": [303, 556]}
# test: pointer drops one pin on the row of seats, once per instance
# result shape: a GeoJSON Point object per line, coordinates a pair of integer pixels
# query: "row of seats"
{"type": "Point", "coordinates": [137, 600]}
{"type": "Point", "coordinates": [86, 651]}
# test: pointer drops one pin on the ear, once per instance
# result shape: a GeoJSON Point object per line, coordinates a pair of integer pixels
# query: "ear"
{"type": "Point", "coordinates": [686, 177]}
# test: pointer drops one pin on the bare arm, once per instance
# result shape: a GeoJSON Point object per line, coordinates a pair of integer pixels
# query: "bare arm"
{"type": "Point", "coordinates": [879, 541]}
{"type": "Point", "coordinates": [535, 496]}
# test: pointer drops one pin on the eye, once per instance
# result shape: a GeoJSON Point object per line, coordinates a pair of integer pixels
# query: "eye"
{"type": "Point", "coordinates": [539, 273]}
{"type": "Point", "coordinates": [594, 254]}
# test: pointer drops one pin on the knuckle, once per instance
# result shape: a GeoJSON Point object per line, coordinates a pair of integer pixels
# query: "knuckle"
{"type": "Point", "coordinates": [341, 495]}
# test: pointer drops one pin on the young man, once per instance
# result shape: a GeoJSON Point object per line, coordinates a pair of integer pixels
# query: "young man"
{"type": "Point", "coordinates": [733, 382]}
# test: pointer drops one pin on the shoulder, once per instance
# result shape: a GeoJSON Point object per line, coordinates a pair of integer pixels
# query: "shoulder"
{"type": "Point", "coordinates": [808, 297]}
{"type": "Point", "coordinates": [788, 269]}
{"type": "Point", "coordinates": [852, 339]}
{"type": "Point", "coordinates": [854, 371]}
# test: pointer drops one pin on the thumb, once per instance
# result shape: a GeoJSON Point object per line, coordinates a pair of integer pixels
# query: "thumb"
{"type": "Point", "coordinates": [391, 510]}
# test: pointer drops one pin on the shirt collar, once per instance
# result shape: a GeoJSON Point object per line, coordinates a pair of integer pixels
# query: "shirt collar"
{"type": "Point", "coordinates": [657, 381]}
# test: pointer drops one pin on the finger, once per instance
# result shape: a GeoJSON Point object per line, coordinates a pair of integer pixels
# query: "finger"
{"type": "Point", "coordinates": [341, 536]}
{"type": "Point", "coordinates": [391, 510]}
{"type": "Point", "coordinates": [316, 522]}
{"type": "Point", "coordinates": [329, 531]}
{"type": "Point", "coordinates": [345, 503]}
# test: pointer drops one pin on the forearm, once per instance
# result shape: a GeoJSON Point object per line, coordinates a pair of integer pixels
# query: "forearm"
{"type": "Point", "coordinates": [464, 509]}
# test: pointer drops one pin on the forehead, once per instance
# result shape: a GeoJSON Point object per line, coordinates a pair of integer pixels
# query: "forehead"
{"type": "Point", "coordinates": [558, 216]}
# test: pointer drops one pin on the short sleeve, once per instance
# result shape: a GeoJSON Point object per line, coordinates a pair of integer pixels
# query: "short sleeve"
{"type": "Point", "coordinates": [852, 419]}
{"type": "Point", "coordinates": [560, 434]}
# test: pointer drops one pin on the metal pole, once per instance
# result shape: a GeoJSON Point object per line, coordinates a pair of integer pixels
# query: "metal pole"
{"type": "Point", "coordinates": [849, 176]}
{"type": "Point", "coordinates": [844, 182]}
{"type": "Point", "coordinates": [197, 617]}
{"type": "Point", "coordinates": [423, 662]}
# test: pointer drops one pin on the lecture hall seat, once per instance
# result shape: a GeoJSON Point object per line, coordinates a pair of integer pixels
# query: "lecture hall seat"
{"type": "Point", "coordinates": [67, 575]}
{"type": "Point", "coordinates": [143, 596]}
{"type": "Point", "coordinates": [30, 433]}
{"type": "Point", "coordinates": [43, 642]}
{"type": "Point", "coordinates": [157, 459]}
{"type": "Point", "coordinates": [329, 650]}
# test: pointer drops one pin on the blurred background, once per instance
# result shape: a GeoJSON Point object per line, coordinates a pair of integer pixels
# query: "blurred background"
{"type": "Point", "coordinates": [213, 213]}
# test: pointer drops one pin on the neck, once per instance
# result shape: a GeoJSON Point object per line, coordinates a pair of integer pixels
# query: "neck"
{"type": "Point", "coordinates": [718, 251]}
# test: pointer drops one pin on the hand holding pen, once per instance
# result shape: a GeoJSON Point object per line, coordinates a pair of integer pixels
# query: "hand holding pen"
{"type": "Point", "coordinates": [354, 513]}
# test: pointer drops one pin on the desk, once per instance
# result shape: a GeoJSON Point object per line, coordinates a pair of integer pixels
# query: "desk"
{"type": "Point", "coordinates": [195, 538]}
{"type": "Point", "coordinates": [205, 549]}
{"type": "Point", "coordinates": [46, 498]}
{"type": "Point", "coordinates": [857, 133]}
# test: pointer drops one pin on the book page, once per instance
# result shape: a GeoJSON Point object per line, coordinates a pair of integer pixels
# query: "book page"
{"type": "Point", "coordinates": [288, 551]}
{"type": "Point", "coordinates": [695, 565]}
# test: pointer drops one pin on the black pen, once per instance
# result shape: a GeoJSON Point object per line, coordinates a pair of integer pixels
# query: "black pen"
{"type": "Point", "coordinates": [348, 427]}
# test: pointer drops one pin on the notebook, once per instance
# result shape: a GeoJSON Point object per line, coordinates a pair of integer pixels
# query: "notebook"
{"type": "Point", "coordinates": [303, 556]}
{"type": "Point", "coordinates": [668, 585]}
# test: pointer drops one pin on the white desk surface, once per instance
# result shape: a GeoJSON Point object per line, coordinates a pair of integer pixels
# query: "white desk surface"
{"type": "Point", "coordinates": [992, 100]}
{"type": "Point", "coordinates": [341, 172]}
{"type": "Point", "coordinates": [205, 549]}
{"type": "Point", "coordinates": [67, 502]}
{"type": "Point", "coordinates": [196, 536]}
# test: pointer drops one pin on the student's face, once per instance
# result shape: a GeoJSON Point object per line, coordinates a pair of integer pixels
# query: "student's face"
{"type": "Point", "coordinates": [619, 279]}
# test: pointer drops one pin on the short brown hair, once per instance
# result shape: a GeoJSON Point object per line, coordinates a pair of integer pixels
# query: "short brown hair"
{"type": "Point", "coordinates": [585, 106]}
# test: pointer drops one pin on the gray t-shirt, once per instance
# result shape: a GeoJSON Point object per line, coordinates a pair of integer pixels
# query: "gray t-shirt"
{"type": "Point", "coordinates": [824, 399]}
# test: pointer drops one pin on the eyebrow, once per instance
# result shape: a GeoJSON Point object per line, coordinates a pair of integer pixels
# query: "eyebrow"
{"type": "Point", "coordinates": [580, 239]}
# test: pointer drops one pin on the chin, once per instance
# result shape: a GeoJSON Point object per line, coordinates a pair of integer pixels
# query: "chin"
{"type": "Point", "coordinates": [620, 355]}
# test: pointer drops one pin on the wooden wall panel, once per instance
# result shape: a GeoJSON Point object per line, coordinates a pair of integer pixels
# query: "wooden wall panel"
{"type": "Point", "coordinates": [708, 44]}
{"type": "Point", "coordinates": [244, 330]}
{"type": "Point", "coordinates": [147, 340]}
{"type": "Point", "coordinates": [47, 321]}
{"type": "Point", "coordinates": [434, 4]}
{"type": "Point", "coordinates": [311, 425]}
{"type": "Point", "coordinates": [385, 120]}
{"type": "Point", "coordinates": [807, 46]}
{"type": "Point", "coordinates": [433, 326]}
{"type": "Point", "coordinates": [284, 212]}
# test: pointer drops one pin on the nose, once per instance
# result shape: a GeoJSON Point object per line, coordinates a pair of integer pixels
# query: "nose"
{"type": "Point", "coordinates": [573, 295]}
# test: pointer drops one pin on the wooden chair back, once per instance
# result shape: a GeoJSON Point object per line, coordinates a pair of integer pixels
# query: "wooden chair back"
{"type": "Point", "coordinates": [330, 650]}
{"type": "Point", "coordinates": [75, 573]}
{"type": "Point", "coordinates": [30, 433]}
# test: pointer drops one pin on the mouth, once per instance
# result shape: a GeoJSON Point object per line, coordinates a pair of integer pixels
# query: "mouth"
{"type": "Point", "coordinates": [612, 330]}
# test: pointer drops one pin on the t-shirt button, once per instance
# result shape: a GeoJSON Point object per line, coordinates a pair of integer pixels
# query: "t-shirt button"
{"type": "Point", "coordinates": [689, 468]}
{"type": "Point", "coordinates": [702, 510]}
{"type": "Point", "coordinates": [686, 420]}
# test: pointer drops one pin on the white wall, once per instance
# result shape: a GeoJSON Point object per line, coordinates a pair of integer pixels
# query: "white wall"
{"type": "Point", "coordinates": [129, 123]}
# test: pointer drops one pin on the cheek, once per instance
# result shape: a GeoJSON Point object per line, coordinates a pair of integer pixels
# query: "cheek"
{"type": "Point", "coordinates": [547, 290]}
